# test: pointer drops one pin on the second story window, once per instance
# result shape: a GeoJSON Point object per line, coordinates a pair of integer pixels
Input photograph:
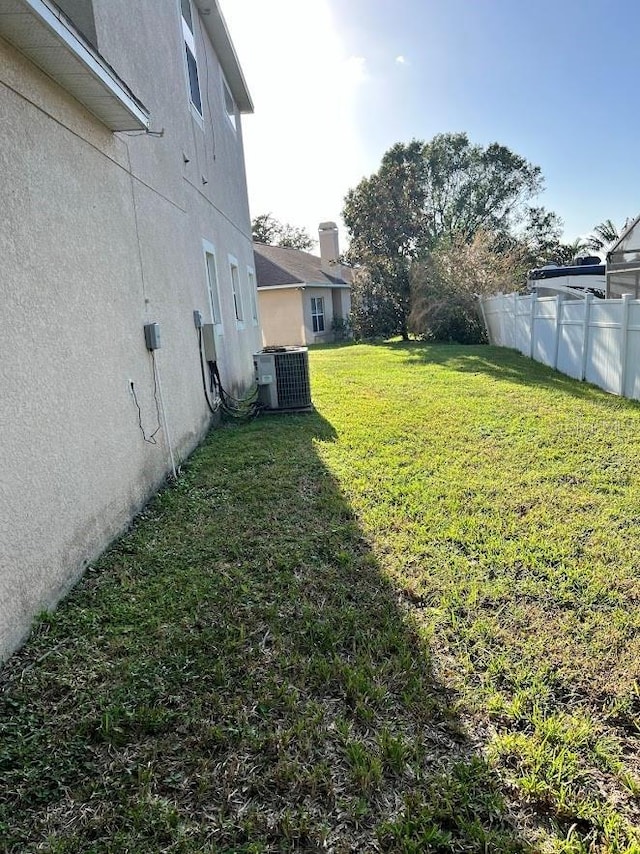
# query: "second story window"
{"type": "Point", "coordinates": [229, 103]}
{"type": "Point", "coordinates": [190, 51]}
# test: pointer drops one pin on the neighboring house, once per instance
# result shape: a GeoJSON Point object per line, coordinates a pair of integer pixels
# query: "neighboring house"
{"type": "Point", "coordinates": [303, 298]}
{"type": "Point", "coordinates": [623, 263]}
{"type": "Point", "coordinates": [121, 204]}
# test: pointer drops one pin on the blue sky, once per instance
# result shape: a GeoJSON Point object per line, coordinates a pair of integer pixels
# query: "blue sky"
{"type": "Point", "coordinates": [337, 82]}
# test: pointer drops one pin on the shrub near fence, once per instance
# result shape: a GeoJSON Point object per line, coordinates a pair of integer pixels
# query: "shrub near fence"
{"type": "Point", "coordinates": [589, 339]}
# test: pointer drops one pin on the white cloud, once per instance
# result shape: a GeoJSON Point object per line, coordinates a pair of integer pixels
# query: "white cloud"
{"type": "Point", "coordinates": [401, 60]}
{"type": "Point", "coordinates": [302, 147]}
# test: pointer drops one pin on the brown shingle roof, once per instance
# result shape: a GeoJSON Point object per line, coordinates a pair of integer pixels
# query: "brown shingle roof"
{"type": "Point", "coordinates": [277, 265]}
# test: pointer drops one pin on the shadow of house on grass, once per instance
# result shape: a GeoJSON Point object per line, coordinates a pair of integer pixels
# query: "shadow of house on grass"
{"type": "Point", "coordinates": [236, 675]}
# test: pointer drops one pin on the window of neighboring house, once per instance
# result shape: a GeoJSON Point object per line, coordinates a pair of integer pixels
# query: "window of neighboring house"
{"type": "Point", "coordinates": [212, 285]}
{"type": "Point", "coordinates": [229, 103]}
{"type": "Point", "coordinates": [237, 295]}
{"type": "Point", "coordinates": [252, 296]}
{"type": "Point", "coordinates": [317, 314]}
{"type": "Point", "coordinates": [190, 51]}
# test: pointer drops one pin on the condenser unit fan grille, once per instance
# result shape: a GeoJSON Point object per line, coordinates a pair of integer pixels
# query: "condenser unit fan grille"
{"type": "Point", "coordinates": [292, 380]}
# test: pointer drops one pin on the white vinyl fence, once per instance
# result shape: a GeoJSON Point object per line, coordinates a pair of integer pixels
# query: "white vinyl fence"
{"type": "Point", "coordinates": [589, 339]}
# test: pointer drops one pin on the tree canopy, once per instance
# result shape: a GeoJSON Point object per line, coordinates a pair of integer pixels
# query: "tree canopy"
{"type": "Point", "coordinates": [384, 217]}
{"type": "Point", "coordinates": [469, 188]}
{"type": "Point", "coordinates": [266, 228]}
{"type": "Point", "coordinates": [446, 191]}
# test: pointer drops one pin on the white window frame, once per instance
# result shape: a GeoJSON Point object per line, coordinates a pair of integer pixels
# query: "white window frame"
{"type": "Point", "coordinates": [226, 91]}
{"type": "Point", "coordinates": [315, 314]}
{"type": "Point", "coordinates": [236, 291]}
{"type": "Point", "coordinates": [188, 38]}
{"type": "Point", "coordinates": [213, 289]}
{"type": "Point", "coordinates": [251, 279]}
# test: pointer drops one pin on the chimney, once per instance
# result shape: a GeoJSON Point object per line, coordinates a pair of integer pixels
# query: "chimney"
{"type": "Point", "coordinates": [329, 249]}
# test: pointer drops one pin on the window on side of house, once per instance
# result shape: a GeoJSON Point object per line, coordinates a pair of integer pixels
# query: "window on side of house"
{"type": "Point", "coordinates": [317, 314]}
{"type": "Point", "coordinates": [212, 285]}
{"type": "Point", "coordinates": [229, 103]}
{"type": "Point", "coordinates": [237, 294]}
{"type": "Point", "coordinates": [251, 278]}
{"type": "Point", "coordinates": [190, 51]}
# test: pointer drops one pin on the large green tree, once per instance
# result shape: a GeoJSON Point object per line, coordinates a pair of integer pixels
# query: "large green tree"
{"type": "Point", "coordinates": [539, 237]}
{"type": "Point", "coordinates": [265, 228]}
{"type": "Point", "coordinates": [384, 217]}
{"type": "Point", "coordinates": [538, 241]}
{"type": "Point", "coordinates": [448, 190]}
{"type": "Point", "coordinates": [470, 188]}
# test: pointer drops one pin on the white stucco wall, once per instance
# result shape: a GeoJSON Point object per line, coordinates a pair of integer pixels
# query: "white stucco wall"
{"type": "Point", "coordinates": [327, 294]}
{"type": "Point", "coordinates": [99, 234]}
{"type": "Point", "coordinates": [341, 302]}
{"type": "Point", "coordinates": [282, 316]}
{"type": "Point", "coordinates": [286, 314]}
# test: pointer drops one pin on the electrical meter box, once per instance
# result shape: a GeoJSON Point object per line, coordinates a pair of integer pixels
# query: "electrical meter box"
{"type": "Point", "coordinates": [209, 342]}
{"type": "Point", "coordinates": [152, 336]}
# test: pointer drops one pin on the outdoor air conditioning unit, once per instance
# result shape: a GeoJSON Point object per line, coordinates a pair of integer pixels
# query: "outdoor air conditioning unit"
{"type": "Point", "coordinates": [282, 375]}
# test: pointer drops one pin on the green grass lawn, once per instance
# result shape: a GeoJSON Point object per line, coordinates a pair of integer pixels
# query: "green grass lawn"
{"type": "Point", "coordinates": [408, 622]}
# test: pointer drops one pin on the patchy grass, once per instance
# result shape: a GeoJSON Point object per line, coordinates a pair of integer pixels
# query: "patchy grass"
{"type": "Point", "coordinates": [501, 500]}
{"type": "Point", "coordinates": [406, 623]}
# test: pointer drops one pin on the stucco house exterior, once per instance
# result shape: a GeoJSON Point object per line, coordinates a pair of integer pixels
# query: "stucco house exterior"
{"type": "Point", "coordinates": [123, 203]}
{"type": "Point", "coordinates": [300, 294]}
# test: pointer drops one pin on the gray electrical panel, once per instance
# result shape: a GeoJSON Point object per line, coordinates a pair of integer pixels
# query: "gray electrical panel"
{"type": "Point", "coordinates": [152, 336]}
{"type": "Point", "coordinates": [209, 342]}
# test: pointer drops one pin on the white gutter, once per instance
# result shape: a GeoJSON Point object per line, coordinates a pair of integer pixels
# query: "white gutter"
{"type": "Point", "coordinates": [39, 30]}
{"type": "Point", "coordinates": [298, 287]}
{"type": "Point", "coordinates": [301, 286]}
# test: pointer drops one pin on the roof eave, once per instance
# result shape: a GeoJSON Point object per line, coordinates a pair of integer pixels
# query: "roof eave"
{"type": "Point", "coordinates": [340, 284]}
{"type": "Point", "coordinates": [297, 286]}
{"type": "Point", "coordinates": [52, 43]}
{"type": "Point", "coordinates": [302, 285]}
{"type": "Point", "coordinates": [217, 30]}
{"type": "Point", "coordinates": [623, 236]}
